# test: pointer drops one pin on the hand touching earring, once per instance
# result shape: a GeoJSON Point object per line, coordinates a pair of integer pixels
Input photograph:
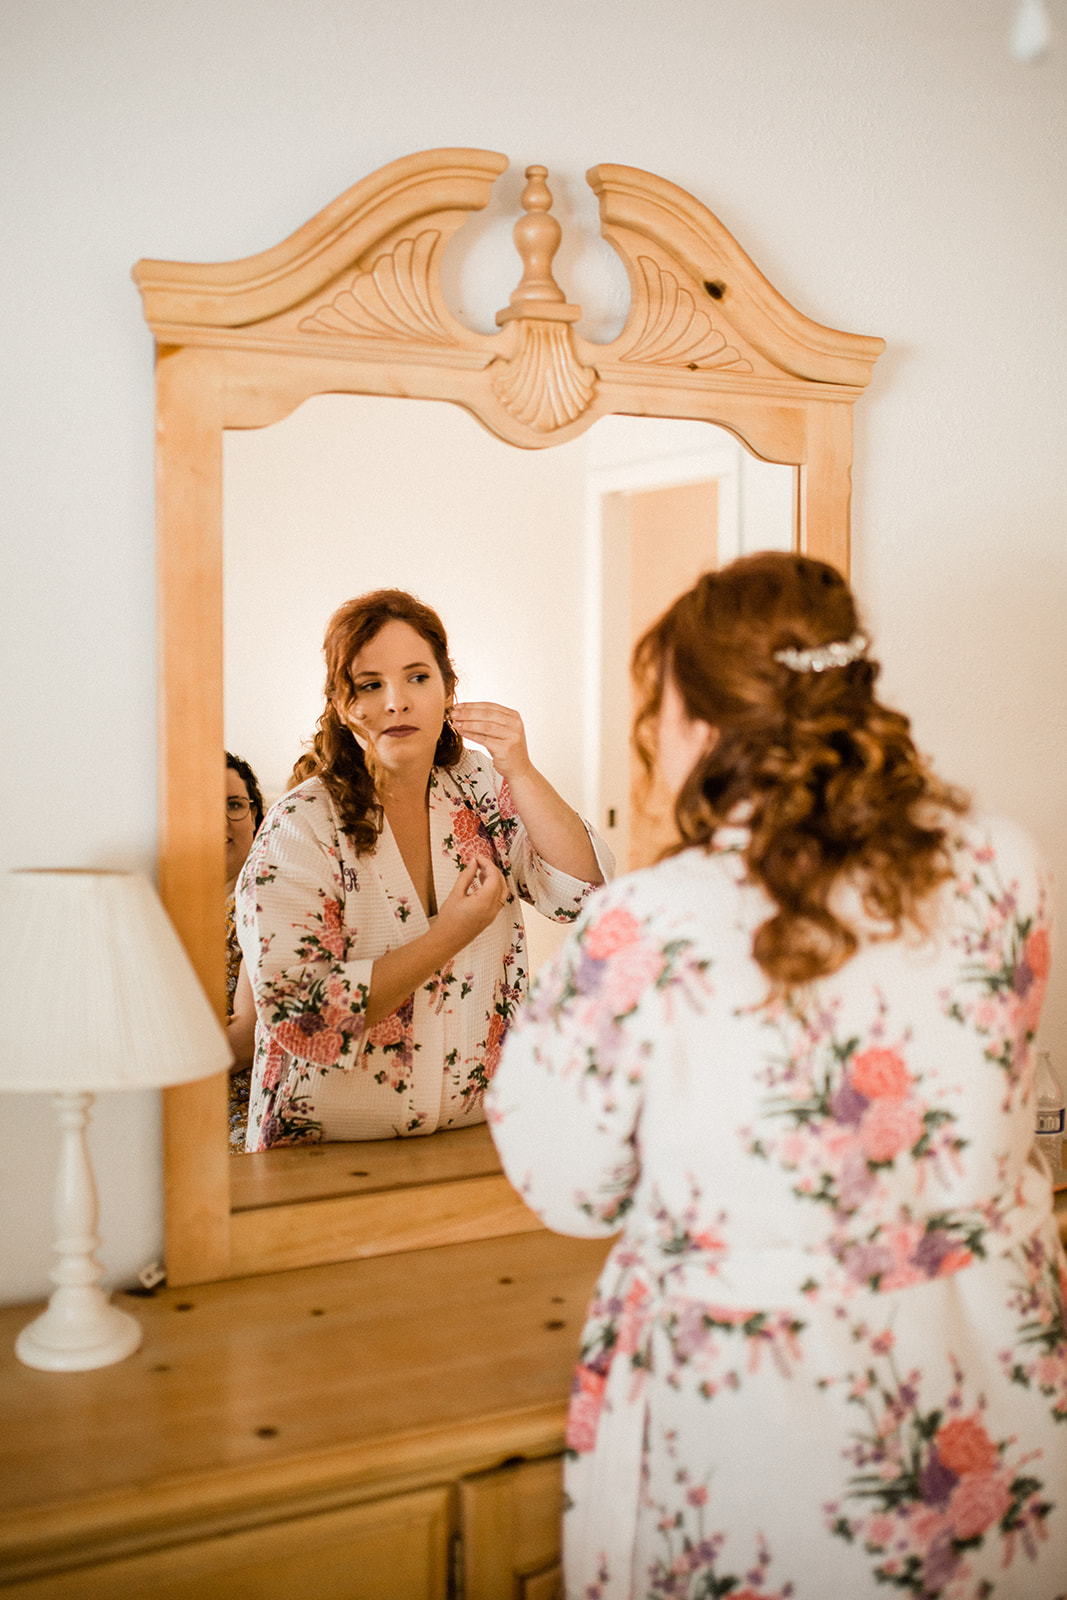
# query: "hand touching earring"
{"type": "Point", "coordinates": [499, 731]}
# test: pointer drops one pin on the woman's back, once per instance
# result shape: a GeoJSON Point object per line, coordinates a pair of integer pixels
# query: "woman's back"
{"type": "Point", "coordinates": [892, 1095]}
{"type": "Point", "coordinates": [793, 1062]}
{"type": "Point", "coordinates": [827, 1349]}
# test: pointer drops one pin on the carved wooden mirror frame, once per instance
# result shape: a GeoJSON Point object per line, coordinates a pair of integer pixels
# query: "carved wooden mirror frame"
{"type": "Point", "coordinates": [352, 303]}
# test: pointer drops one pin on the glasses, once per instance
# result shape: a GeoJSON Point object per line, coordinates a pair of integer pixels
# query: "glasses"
{"type": "Point", "coordinates": [236, 808]}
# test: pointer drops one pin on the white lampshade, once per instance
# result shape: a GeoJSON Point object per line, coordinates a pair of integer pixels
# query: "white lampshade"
{"type": "Point", "coordinates": [96, 990]}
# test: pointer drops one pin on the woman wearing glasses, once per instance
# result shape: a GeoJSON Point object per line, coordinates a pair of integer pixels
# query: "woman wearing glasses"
{"type": "Point", "coordinates": [244, 813]}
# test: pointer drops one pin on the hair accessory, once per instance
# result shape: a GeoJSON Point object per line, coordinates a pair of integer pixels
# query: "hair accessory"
{"type": "Point", "coordinates": [839, 653]}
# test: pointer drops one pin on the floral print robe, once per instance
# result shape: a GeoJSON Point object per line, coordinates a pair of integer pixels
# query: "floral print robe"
{"type": "Point", "coordinates": [240, 1082]}
{"type": "Point", "coordinates": [313, 915]}
{"type": "Point", "coordinates": [826, 1355]}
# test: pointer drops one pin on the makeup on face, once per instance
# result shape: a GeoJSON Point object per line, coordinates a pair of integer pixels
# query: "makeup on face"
{"type": "Point", "coordinates": [398, 699]}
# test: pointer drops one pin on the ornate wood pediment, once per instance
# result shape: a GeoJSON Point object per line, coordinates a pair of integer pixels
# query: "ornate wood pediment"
{"type": "Point", "coordinates": [361, 284]}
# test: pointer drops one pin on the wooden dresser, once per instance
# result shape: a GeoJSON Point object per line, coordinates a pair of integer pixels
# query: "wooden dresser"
{"type": "Point", "coordinates": [387, 1429]}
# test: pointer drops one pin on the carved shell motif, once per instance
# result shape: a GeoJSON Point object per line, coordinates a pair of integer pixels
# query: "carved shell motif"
{"type": "Point", "coordinates": [391, 301]}
{"type": "Point", "coordinates": [676, 332]}
{"type": "Point", "coordinates": [544, 386]}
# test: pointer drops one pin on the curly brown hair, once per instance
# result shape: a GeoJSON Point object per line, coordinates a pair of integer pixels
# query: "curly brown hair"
{"type": "Point", "coordinates": [335, 754]}
{"type": "Point", "coordinates": [827, 778]}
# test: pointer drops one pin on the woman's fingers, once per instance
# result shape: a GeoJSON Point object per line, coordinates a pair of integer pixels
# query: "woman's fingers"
{"type": "Point", "coordinates": [499, 729]}
{"type": "Point", "coordinates": [483, 878]}
{"type": "Point", "coordinates": [483, 716]}
{"type": "Point", "coordinates": [470, 877]}
{"type": "Point", "coordinates": [489, 881]}
{"type": "Point", "coordinates": [483, 708]}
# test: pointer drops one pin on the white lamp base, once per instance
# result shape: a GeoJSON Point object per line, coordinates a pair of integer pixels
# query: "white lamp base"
{"type": "Point", "coordinates": [80, 1329]}
{"type": "Point", "coordinates": [75, 1334]}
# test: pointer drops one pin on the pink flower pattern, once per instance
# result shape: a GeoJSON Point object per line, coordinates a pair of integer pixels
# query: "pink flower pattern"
{"type": "Point", "coordinates": [1006, 952]}
{"type": "Point", "coordinates": [1038, 1359]}
{"type": "Point", "coordinates": [851, 1116]}
{"type": "Point", "coordinates": [691, 1562]}
{"type": "Point", "coordinates": [816, 1202]}
{"type": "Point", "coordinates": [933, 1483]}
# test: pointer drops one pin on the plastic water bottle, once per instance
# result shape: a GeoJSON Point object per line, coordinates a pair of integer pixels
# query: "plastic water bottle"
{"type": "Point", "coordinates": [1051, 1111]}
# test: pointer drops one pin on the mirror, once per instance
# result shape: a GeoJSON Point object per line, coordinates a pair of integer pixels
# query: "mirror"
{"type": "Point", "coordinates": [352, 305]}
{"type": "Point", "coordinates": [353, 492]}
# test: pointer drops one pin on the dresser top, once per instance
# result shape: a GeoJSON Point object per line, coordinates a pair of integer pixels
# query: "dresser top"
{"type": "Point", "coordinates": [380, 1371]}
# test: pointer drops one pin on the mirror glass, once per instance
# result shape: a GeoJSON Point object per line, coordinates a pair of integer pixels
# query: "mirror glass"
{"type": "Point", "coordinates": [544, 566]}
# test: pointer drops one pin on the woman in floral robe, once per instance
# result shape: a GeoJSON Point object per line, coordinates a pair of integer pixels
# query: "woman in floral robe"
{"type": "Point", "coordinates": [379, 911]}
{"type": "Point", "coordinates": [826, 1357]}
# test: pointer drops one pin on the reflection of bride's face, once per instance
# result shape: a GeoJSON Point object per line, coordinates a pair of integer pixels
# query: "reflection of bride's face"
{"type": "Point", "coordinates": [399, 698]}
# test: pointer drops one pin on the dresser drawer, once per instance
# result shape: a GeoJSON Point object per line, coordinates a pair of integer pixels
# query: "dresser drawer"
{"type": "Point", "coordinates": [393, 1549]}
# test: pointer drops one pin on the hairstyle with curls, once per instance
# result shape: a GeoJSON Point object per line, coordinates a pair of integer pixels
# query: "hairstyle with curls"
{"type": "Point", "coordinates": [827, 778]}
{"type": "Point", "coordinates": [252, 789]}
{"type": "Point", "coordinates": [335, 754]}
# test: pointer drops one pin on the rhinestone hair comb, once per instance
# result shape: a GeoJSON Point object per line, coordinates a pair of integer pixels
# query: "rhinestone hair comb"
{"type": "Point", "coordinates": [839, 653]}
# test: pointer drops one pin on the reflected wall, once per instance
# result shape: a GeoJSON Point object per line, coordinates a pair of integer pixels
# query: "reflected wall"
{"type": "Point", "coordinates": [513, 548]}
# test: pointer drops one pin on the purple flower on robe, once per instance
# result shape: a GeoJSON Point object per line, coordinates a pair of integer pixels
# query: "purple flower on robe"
{"type": "Point", "coordinates": [589, 976]}
{"type": "Point", "coordinates": [868, 1261]}
{"type": "Point", "coordinates": [847, 1105]}
{"type": "Point", "coordinates": [931, 1250]}
{"type": "Point", "coordinates": [857, 1180]}
{"type": "Point", "coordinates": [941, 1562]}
{"type": "Point", "coordinates": [309, 1022]}
{"type": "Point", "coordinates": [936, 1481]}
{"type": "Point", "coordinates": [691, 1333]}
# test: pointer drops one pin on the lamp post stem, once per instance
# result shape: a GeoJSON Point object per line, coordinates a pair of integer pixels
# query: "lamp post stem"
{"type": "Point", "coordinates": [80, 1328]}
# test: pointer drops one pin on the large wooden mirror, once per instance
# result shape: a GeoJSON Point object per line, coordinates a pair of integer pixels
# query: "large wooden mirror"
{"type": "Point", "coordinates": [352, 304]}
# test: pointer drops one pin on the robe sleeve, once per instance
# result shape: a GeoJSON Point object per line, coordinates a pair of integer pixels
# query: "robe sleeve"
{"type": "Point", "coordinates": [555, 894]}
{"type": "Point", "coordinates": [565, 1104]}
{"type": "Point", "coordinates": [309, 983]}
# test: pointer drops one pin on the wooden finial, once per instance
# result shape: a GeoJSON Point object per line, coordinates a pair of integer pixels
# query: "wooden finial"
{"type": "Point", "coordinates": [537, 237]}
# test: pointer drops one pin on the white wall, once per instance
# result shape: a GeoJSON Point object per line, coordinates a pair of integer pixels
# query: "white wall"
{"type": "Point", "coordinates": [420, 497]}
{"type": "Point", "coordinates": [889, 167]}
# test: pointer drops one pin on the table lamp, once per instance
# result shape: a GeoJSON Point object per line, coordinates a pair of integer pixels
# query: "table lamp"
{"type": "Point", "coordinates": [96, 992]}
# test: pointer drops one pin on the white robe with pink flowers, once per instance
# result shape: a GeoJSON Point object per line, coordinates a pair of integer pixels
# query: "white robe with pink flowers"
{"type": "Point", "coordinates": [312, 917]}
{"type": "Point", "coordinates": [826, 1356]}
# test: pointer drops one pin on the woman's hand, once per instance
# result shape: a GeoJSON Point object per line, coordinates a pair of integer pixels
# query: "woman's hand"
{"type": "Point", "coordinates": [500, 731]}
{"type": "Point", "coordinates": [556, 832]}
{"type": "Point", "coordinates": [475, 900]}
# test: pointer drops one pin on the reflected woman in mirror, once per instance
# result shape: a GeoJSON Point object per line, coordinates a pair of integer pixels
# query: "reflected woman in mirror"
{"type": "Point", "coordinates": [792, 1063]}
{"type": "Point", "coordinates": [379, 911]}
{"type": "Point", "coordinates": [244, 813]}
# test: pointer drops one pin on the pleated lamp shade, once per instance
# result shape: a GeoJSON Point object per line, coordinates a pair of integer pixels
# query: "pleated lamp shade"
{"type": "Point", "coordinates": [96, 990]}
